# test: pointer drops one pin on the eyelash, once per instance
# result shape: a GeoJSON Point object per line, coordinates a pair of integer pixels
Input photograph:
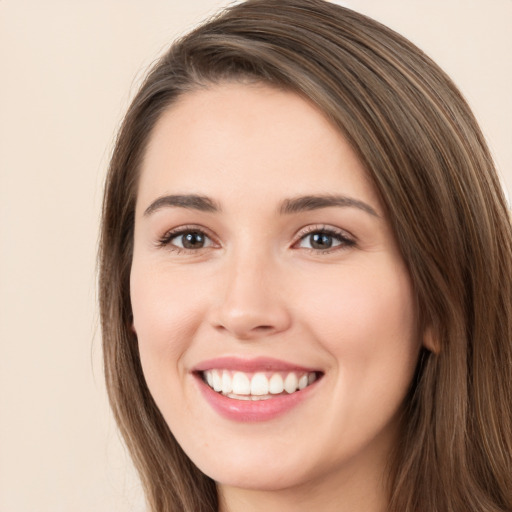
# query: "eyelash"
{"type": "Point", "coordinates": [345, 241]}
{"type": "Point", "coordinates": [166, 240]}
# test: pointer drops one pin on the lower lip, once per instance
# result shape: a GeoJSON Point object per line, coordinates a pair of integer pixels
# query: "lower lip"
{"type": "Point", "coordinates": [253, 410]}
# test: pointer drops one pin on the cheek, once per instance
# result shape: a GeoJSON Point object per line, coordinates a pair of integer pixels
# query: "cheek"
{"type": "Point", "coordinates": [369, 330]}
{"type": "Point", "coordinates": [370, 326]}
{"type": "Point", "coordinates": [164, 314]}
{"type": "Point", "coordinates": [356, 301]}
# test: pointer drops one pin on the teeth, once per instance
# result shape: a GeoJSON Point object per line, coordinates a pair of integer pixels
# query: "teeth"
{"type": "Point", "coordinates": [258, 386]}
{"type": "Point", "coordinates": [276, 384]}
{"type": "Point", "coordinates": [241, 384]}
{"type": "Point", "coordinates": [217, 381]}
{"type": "Point", "coordinates": [227, 386]}
{"type": "Point", "coordinates": [291, 382]}
{"type": "Point", "coordinates": [303, 381]}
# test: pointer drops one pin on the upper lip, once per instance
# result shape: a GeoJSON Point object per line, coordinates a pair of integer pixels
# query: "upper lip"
{"type": "Point", "coordinates": [258, 364]}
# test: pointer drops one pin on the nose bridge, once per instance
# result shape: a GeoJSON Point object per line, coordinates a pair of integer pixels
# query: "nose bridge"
{"type": "Point", "coordinates": [252, 303]}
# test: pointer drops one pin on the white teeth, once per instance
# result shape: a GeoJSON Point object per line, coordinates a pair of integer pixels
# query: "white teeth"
{"type": "Point", "coordinates": [241, 397]}
{"type": "Point", "coordinates": [217, 381]}
{"type": "Point", "coordinates": [241, 386]}
{"type": "Point", "coordinates": [227, 385]}
{"type": "Point", "coordinates": [291, 382]}
{"type": "Point", "coordinates": [259, 384]}
{"type": "Point", "coordinates": [276, 384]}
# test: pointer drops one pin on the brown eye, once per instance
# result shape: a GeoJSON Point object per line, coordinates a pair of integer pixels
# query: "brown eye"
{"type": "Point", "coordinates": [321, 241]}
{"type": "Point", "coordinates": [192, 240]}
{"type": "Point", "coordinates": [324, 240]}
{"type": "Point", "coordinates": [189, 240]}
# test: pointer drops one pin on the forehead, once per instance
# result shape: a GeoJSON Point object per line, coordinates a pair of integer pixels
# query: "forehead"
{"type": "Point", "coordinates": [249, 140]}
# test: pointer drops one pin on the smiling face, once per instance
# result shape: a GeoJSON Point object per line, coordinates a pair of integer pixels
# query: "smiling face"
{"type": "Point", "coordinates": [264, 267]}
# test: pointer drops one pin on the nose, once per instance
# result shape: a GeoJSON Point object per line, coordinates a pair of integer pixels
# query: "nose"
{"type": "Point", "coordinates": [253, 303]}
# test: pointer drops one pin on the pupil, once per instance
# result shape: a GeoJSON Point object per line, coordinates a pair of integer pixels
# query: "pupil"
{"type": "Point", "coordinates": [193, 240]}
{"type": "Point", "coordinates": [321, 241]}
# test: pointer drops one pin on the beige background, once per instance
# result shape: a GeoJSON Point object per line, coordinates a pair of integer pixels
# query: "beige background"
{"type": "Point", "coordinates": [67, 71]}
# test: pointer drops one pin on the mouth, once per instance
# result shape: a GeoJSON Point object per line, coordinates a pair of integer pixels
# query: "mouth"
{"type": "Point", "coordinates": [255, 390]}
{"type": "Point", "coordinates": [255, 386]}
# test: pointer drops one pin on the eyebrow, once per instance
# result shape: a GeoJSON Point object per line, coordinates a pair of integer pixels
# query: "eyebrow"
{"type": "Point", "coordinates": [316, 202]}
{"type": "Point", "coordinates": [189, 201]}
{"type": "Point", "coordinates": [288, 206]}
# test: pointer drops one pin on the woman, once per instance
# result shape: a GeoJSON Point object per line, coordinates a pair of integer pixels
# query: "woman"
{"type": "Point", "coordinates": [305, 274]}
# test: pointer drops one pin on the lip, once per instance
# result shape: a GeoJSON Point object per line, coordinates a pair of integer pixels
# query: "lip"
{"type": "Point", "coordinates": [246, 411]}
{"type": "Point", "coordinates": [259, 364]}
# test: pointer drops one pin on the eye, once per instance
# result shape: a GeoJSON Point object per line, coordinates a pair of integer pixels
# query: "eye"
{"type": "Point", "coordinates": [324, 240]}
{"type": "Point", "coordinates": [189, 239]}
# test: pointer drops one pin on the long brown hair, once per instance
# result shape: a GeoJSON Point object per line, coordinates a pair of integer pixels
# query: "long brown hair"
{"type": "Point", "coordinates": [424, 152]}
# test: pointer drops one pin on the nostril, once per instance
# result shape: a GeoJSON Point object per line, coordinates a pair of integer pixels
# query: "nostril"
{"type": "Point", "coordinates": [263, 328]}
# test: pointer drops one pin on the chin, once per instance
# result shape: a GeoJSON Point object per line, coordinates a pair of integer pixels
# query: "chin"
{"type": "Point", "coordinates": [257, 476]}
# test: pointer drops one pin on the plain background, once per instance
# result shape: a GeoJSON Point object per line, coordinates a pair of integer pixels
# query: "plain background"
{"type": "Point", "coordinates": [67, 71]}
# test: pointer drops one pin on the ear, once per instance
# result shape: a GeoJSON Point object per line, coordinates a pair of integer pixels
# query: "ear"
{"type": "Point", "coordinates": [430, 341]}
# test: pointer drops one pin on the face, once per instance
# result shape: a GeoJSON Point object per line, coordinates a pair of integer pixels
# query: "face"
{"type": "Point", "coordinates": [274, 314]}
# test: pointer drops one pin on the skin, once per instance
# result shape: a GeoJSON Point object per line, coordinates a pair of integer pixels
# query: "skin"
{"type": "Point", "coordinates": [259, 288]}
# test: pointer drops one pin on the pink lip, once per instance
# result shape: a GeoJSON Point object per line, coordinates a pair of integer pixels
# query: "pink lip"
{"type": "Point", "coordinates": [259, 364]}
{"type": "Point", "coordinates": [246, 411]}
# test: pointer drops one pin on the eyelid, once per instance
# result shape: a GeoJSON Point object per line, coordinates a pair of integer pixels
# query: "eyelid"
{"type": "Point", "coordinates": [165, 240]}
{"type": "Point", "coordinates": [347, 238]}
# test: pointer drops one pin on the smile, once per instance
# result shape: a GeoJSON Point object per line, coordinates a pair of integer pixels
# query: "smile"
{"type": "Point", "coordinates": [257, 389]}
{"type": "Point", "coordinates": [257, 386]}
